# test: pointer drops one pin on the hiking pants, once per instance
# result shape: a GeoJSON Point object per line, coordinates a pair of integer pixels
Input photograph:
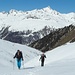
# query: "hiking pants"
{"type": "Point", "coordinates": [42, 63]}
{"type": "Point", "coordinates": [19, 63]}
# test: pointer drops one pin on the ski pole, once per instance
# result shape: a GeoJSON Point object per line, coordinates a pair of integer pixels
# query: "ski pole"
{"type": "Point", "coordinates": [13, 63]}
{"type": "Point", "coordinates": [23, 63]}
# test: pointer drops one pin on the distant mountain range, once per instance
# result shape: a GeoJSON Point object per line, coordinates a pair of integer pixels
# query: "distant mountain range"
{"type": "Point", "coordinates": [36, 19]}
{"type": "Point", "coordinates": [25, 27]}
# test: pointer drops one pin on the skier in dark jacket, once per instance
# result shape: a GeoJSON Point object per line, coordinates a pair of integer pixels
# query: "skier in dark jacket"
{"type": "Point", "coordinates": [42, 58]}
{"type": "Point", "coordinates": [19, 57]}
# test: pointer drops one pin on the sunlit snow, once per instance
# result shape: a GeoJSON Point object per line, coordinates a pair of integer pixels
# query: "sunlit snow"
{"type": "Point", "coordinates": [60, 61]}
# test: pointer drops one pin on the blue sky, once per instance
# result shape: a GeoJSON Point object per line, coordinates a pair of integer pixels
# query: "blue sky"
{"type": "Point", "coordinates": [62, 6]}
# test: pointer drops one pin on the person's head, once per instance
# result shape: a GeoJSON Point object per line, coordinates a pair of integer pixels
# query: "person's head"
{"type": "Point", "coordinates": [18, 50]}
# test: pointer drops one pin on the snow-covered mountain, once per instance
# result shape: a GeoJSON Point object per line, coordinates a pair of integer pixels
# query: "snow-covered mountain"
{"type": "Point", "coordinates": [59, 61]}
{"type": "Point", "coordinates": [36, 19]}
{"type": "Point", "coordinates": [56, 38]}
{"type": "Point", "coordinates": [33, 24]}
{"type": "Point", "coordinates": [22, 24]}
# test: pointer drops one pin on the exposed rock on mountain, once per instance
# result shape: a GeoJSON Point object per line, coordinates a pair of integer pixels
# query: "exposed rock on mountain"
{"type": "Point", "coordinates": [24, 37]}
{"type": "Point", "coordinates": [55, 39]}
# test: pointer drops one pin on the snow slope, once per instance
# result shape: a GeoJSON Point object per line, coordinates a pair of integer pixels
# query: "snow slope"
{"type": "Point", "coordinates": [36, 19]}
{"type": "Point", "coordinates": [8, 50]}
{"type": "Point", "coordinates": [60, 61]}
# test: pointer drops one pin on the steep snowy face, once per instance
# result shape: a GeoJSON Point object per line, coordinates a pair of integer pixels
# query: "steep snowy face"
{"type": "Point", "coordinates": [35, 20]}
{"type": "Point", "coordinates": [70, 16]}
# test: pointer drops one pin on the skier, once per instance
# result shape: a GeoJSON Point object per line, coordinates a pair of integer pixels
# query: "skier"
{"type": "Point", "coordinates": [19, 57]}
{"type": "Point", "coordinates": [42, 58]}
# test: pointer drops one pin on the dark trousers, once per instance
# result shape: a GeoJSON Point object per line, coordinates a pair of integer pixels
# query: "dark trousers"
{"type": "Point", "coordinates": [42, 63]}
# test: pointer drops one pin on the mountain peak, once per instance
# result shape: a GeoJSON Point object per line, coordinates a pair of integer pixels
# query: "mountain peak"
{"type": "Point", "coordinates": [12, 11]}
{"type": "Point", "coordinates": [47, 9]}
